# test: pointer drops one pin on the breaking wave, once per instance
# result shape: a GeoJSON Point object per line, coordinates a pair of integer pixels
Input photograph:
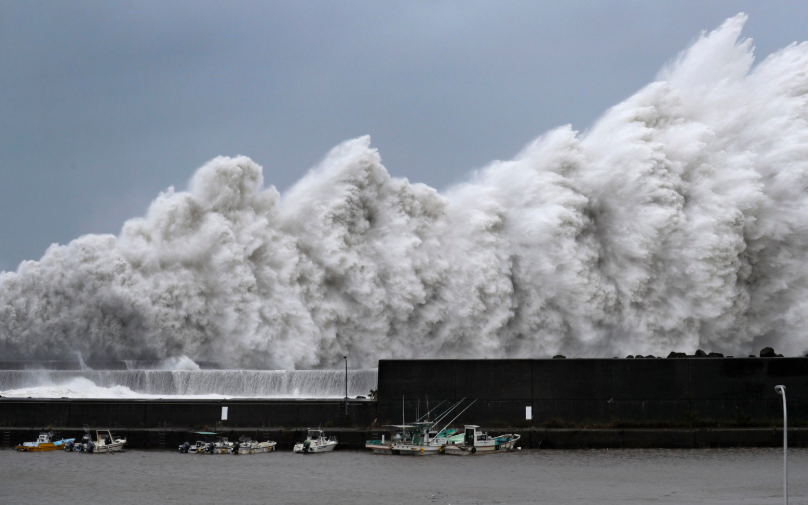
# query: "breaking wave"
{"type": "Point", "coordinates": [680, 220]}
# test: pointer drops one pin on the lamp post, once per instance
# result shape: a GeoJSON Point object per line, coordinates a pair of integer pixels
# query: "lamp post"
{"type": "Point", "coordinates": [346, 385]}
{"type": "Point", "coordinates": [781, 390]}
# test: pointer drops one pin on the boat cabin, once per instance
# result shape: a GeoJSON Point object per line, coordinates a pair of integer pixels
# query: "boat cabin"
{"type": "Point", "coordinates": [473, 435]}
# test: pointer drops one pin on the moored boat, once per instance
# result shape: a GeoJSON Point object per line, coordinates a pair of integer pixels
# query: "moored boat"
{"type": "Point", "coordinates": [204, 444]}
{"type": "Point", "coordinates": [222, 446]}
{"type": "Point", "coordinates": [476, 442]}
{"type": "Point", "coordinates": [106, 442]}
{"type": "Point", "coordinates": [246, 445]}
{"type": "Point", "coordinates": [43, 443]}
{"type": "Point", "coordinates": [421, 438]}
{"type": "Point", "coordinates": [316, 441]}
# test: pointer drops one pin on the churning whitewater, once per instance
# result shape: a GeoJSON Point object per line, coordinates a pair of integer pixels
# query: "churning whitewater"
{"type": "Point", "coordinates": [678, 221]}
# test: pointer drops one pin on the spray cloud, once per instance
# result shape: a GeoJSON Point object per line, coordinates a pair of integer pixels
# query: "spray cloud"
{"type": "Point", "coordinates": [680, 220]}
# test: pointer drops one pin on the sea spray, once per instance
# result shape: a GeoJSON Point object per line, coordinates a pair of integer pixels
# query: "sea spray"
{"type": "Point", "coordinates": [678, 221]}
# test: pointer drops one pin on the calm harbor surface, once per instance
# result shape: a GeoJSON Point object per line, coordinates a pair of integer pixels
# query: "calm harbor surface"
{"type": "Point", "coordinates": [737, 476]}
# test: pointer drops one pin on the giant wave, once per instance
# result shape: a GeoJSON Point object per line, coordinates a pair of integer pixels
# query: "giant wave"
{"type": "Point", "coordinates": [679, 220]}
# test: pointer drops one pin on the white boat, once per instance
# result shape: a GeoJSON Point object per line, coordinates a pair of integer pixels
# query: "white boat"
{"type": "Point", "coordinates": [205, 444]}
{"type": "Point", "coordinates": [246, 445]}
{"type": "Point", "coordinates": [476, 442]}
{"type": "Point", "coordinates": [222, 446]}
{"type": "Point", "coordinates": [316, 441]}
{"type": "Point", "coordinates": [106, 442]}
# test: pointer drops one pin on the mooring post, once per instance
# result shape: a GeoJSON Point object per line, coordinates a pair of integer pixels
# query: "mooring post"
{"type": "Point", "coordinates": [346, 385]}
{"type": "Point", "coordinates": [781, 390]}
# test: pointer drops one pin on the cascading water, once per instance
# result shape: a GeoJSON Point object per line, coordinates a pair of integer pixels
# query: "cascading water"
{"type": "Point", "coordinates": [678, 221]}
{"type": "Point", "coordinates": [186, 383]}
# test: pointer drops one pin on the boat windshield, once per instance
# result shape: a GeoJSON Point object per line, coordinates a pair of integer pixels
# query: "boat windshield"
{"type": "Point", "coordinates": [315, 434]}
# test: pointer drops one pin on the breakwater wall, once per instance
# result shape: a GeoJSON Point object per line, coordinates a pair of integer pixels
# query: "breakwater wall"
{"type": "Point", "coordinates": [642, 391]}
{"type": "Point", "coordinates": [183, 414]}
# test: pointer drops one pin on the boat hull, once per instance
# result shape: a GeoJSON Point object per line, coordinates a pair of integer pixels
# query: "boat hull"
{"type": "Point", "coordinates": [379, 448]}
{"type": "Point", "coordinates": [417, 450]}
{"type": "Point", "coordinates": [313, 449]}
{"type": "Point", "coordinates": [37, 448]}
{"type": "Point", "coordinates": [258, 449]}
{"type": "Point", "coordinates": [462, 450]}
{"type": "Point", "coordinates": [113, 447]}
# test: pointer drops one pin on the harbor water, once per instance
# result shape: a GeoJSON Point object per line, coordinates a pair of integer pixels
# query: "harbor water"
{"type": "Point", "coordinates": [708, 476]}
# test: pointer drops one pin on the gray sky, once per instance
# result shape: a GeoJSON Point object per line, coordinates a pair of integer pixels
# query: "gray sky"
{"type": "Point", "coordinates": [104, 104]}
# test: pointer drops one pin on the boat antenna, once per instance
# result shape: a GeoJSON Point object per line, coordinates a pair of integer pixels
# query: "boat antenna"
{"type": "Point", "coordinates": [461, 413]}
{"type": "Point", "coordinates": [436, 406]}
{"type": "Point", "coordinates": [427, 408]}
{"type": "Point", "coordinates": [447, 411]}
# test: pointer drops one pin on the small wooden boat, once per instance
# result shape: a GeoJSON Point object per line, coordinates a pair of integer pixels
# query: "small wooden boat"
{"type": "Point", "coordinates": [476, 442]}
{"type": "Point", "coordinates": [43, 443]}
{"type": "Point", "coordinates": [316, 441]}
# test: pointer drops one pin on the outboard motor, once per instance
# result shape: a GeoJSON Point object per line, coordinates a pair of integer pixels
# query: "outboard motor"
{"type": "Point", "coordinates": [236, 447]}
{"type": "Point", "coordinates": [306, 445]}
{"type": "Point", "coordinates": [90, 446]}
{"type": "Point", "coordinates": [69, 446]}
{"type": "Point", "coordinates": [184, 448]}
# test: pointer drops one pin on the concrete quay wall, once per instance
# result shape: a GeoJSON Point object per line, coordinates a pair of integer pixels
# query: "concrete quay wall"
{"type": "Point", "coordinates": [184, 414]}
{"type": "Point", "coordinates": [597, 390]}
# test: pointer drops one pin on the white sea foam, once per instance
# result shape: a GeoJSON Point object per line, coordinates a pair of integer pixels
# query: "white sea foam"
{"type": "Point", "coordinates": [186, 383]}
{"type": "Point", "coordinates": [678, 221]}
{"type": "Point", "coordinates": [80, 387]}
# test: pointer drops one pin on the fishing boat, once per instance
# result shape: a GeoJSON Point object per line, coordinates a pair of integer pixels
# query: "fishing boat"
{"type": "Point", "coordinates": [106, 442]}
{"type": "Point", "coordinates": [380, 446]}
{"type": "Point", "coordinates": [316, 441]}
{"type": "Point", "coordinates": [421, 438]}
{"type": "Point", "coordinates": [43, 443]}
{"type": "Point", "coordinates": [246, 445]}
{"type": "Point", "coordinates": [222, 446]}
{"type": "Point", "coordinates": [476, 442]}
{"type": "Point", "coordinates": [205, 444]}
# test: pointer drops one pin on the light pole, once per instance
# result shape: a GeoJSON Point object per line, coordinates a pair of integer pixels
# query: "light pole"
{"type": "Point", "coordinates": [346, 385]}
{"type": "Point", "coordinates": [781, 390]}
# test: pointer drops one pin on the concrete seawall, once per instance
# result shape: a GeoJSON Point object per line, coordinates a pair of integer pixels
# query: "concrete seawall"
{"type": "Point", "coordinates": [598, 390]}
{"type": "Point", "coordinates": [184, 414]}
{"type": "Point", "coordinates": [681, 402]}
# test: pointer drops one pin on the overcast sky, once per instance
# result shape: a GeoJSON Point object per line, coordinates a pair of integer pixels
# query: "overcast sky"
{"type": "Point", "coordinates": [105, 104]}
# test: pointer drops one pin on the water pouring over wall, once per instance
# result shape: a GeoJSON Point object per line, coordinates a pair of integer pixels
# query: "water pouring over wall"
{"type": "Point", "coordinates": [183, 383]}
